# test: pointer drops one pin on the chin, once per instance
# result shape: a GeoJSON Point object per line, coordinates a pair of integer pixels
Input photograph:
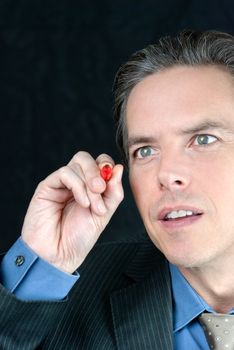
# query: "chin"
{"type": "Point", "coordinates": [187, 254]}
{"type": "Point", "coordinates": [186, 260]}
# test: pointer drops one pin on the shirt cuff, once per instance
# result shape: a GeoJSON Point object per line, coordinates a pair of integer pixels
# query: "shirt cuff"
{"type": "Point", "coordinates": [30, 277]}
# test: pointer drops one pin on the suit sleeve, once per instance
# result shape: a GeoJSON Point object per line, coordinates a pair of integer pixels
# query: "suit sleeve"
{"type": "Point", "coordinates": [33, 295]}
{"type": "Point", "coordinates": [25, 324]}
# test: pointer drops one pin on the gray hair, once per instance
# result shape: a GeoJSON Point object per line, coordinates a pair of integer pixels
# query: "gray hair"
{"type": "Point", "coordinates": [189, 48]}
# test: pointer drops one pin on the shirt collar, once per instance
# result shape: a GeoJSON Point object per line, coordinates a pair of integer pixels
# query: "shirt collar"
{"type": "Point", "coordinates": [187, 304]}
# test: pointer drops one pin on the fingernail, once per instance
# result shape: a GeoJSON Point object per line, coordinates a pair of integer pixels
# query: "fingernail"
{"type": "Point", "coordinates": [97, 182]}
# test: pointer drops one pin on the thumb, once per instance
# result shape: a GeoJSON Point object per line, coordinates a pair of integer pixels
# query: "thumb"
{"type": "Point", "coordinates": [114, 193]}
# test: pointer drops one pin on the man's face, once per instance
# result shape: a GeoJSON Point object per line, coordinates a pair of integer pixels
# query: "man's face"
{"type": "Point", "coordinates": [180, 126]}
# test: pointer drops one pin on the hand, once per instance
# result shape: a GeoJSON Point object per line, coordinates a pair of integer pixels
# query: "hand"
{"type": "Point", "coordinates": [70, 209]}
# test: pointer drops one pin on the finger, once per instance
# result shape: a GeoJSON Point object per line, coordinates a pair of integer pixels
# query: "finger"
{"type": "Point", "coordinates": [114, 193]}
{"type": "Point", "coordinates": [95, 199]}
{"type": "Point", "coordinates": [104, 159]}
{"type": "Point", "coordinates": [91, 173]}
{"type": "Point", "coordinates": [97, 203]}
{"type": "Point", "coordinates": [65, 178]}
{"type": "Point", "coordinates": [90, 170]}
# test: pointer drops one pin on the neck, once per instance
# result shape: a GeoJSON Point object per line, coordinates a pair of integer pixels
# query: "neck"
{"type": "Point", "coordinates": [214, 282]}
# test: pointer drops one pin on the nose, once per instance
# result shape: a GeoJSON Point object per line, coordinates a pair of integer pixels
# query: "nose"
{"type": "Point", "coordinates": [174, 172]}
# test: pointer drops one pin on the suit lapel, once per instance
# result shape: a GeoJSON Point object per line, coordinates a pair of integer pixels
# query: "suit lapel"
{"type": "Point", "coordinates": [142, 312]}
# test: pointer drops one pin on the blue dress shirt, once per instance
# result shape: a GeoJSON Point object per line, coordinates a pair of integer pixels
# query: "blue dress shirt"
{"type": "Point", "coordinates": [187, 306]}
{"type": "Point", "coordinates": [31, 278]}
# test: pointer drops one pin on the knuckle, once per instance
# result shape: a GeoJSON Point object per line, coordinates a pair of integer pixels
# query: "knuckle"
{"type": "Point", "coordinates": [75, 167]}
{"type": "Point", "coordinates": [63, 171]}
{"type": "Point", "coordinates": [80, 155]}
{"type": "Point", "coordinates": [40, 189]}
{"type": "Point", "coordinates": [40, 186]}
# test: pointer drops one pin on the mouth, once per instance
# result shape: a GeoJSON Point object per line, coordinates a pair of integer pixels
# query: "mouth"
{"type": "Point", "coordinates": [179, 214]}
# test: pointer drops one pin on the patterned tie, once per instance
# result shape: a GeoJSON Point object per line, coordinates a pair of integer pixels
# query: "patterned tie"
{"type": "Point", "coordinates": [219, 330]}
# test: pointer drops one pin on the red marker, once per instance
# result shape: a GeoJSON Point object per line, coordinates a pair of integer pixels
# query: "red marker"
{"type": "Point", "coordinates": [106, 172]}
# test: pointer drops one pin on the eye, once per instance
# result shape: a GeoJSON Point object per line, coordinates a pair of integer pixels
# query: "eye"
{"type": "Point", "coordinates": [144, 152]}
{"type": "Point", "coordinates": [204, 139]}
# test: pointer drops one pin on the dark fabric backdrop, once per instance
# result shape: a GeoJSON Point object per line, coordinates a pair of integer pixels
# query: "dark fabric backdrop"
{"type": "Point", "coordinates": [58, 61]}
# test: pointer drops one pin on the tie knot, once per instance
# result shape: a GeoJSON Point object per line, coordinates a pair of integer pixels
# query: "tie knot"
{"type": "Point", "coordinates": [219, 330]}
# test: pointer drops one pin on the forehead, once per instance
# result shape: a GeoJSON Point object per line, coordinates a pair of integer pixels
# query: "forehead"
{"type": "Point", "coordinates": [179, 96]}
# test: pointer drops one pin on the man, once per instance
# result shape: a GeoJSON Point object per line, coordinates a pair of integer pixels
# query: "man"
{"type": "Point", "coordinates": [174, 109]}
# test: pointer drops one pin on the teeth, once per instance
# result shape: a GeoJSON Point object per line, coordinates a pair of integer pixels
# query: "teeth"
{"type": "Point", "coordinates": [178, 214]}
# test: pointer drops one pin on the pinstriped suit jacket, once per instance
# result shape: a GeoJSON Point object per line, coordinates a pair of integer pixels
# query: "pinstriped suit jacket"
{"type": "Point", "coordinates": [121, 301]}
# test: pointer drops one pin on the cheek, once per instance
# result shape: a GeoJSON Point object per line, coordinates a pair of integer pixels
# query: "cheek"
{"type": "Point", "coordinates": [136, 186]}
{"type": "Point", "coordinates": [217, 178]}
{"type": "Point", "coordinates": [221, 188]}
{"type": "Point", "coordinates": [142, 188]}
{"type": "Point", "coordinates": [214, 182]}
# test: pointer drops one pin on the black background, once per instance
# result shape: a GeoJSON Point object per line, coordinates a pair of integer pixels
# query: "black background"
{"type": "Point", "coordinates": [58, 61]}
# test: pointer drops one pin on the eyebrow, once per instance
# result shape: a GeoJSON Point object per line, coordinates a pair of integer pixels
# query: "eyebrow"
{"type": "Point", "coordinates": [205, 125]}
{"type": "Point", "coordinates": [140, 139]}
